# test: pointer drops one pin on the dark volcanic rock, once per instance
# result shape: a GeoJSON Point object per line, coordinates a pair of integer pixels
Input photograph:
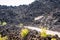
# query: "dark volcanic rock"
{"type": "Point", "coordinates": [26, 13]}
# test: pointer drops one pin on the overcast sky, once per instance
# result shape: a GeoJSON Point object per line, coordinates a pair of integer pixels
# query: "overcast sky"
{"type": "Point", "coordinates": [15, 2]}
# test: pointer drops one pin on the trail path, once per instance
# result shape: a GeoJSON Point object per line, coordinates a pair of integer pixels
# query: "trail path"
{"type": "Point", "coordinates": [47, 31]}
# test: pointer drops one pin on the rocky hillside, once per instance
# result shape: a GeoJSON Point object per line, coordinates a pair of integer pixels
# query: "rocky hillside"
{"type": "Point", "coordinates": [25, 14]}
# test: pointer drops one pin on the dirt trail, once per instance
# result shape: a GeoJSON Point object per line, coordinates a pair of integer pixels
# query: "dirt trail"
{"type": "Point", "coordinates": [47, 31]}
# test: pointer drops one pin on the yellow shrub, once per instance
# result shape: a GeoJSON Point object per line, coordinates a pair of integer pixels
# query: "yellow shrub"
{"type": "Point", "coordinates": [43, 32]}
{"type": "Point", "coordinates": [24, 32]}
{"type": "Point", "coordinates": [53, 39]}
{"type": "Point", "coordinates": [3, 38]}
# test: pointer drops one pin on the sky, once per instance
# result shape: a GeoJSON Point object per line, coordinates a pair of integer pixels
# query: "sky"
{"type": "Point", "coordinates": [15, 2]}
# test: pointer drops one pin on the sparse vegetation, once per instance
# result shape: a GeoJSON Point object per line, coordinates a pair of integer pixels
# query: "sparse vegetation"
{"type": "Point", "coordinates": [3, 38]}
{"type": "Point", "coordinates": [24, 32]}
{"type": "Point", "coordinates": [53, 39]}
{"type": "Point", "coordinates": [3, 23]}
{"type": "Point", "coordinates": [43, 32]}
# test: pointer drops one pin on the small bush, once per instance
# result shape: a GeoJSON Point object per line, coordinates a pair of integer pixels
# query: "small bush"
{"type": "Point", "coordinates": [24, 32]}
{"type": "Point", "coordinates": [53, 39]}
{"type": "Point", "coordinates": [3, 38]}
{"type": "Point", "coordinates": [4, 23]}
{"type": "Point", "coordinates": [43, 32]}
